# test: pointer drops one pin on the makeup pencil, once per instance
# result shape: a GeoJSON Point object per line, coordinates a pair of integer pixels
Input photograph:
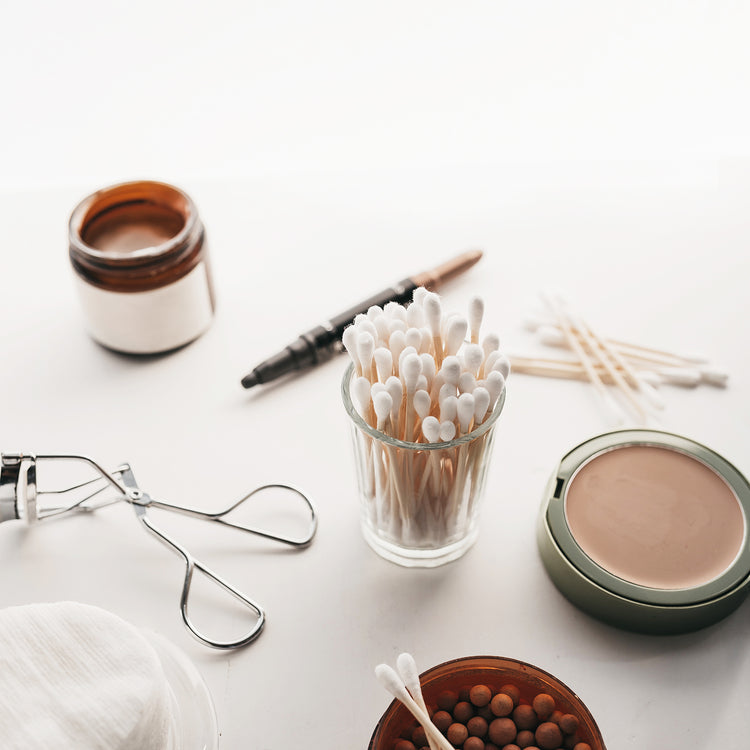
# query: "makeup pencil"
{"type": "Point", "coordinates": [320, 343]}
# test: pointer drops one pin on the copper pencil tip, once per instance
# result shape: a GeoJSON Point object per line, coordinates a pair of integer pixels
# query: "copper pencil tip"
{"type": "Point", "coordinates": [448, 270]}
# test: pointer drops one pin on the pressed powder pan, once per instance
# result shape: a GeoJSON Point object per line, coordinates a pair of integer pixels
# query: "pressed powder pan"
{"type": "Point", "coordinates": [648, 531]}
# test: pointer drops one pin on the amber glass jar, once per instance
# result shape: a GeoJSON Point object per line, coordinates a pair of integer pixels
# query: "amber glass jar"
{"type": "Point", "coordinates": [140, 258]}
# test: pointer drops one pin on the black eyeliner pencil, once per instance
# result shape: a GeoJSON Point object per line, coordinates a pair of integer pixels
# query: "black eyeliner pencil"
{"type": "Point", "coordinates": [319, 344]}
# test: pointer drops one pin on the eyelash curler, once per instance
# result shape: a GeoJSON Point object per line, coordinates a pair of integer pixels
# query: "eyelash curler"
{"type": "Point", "coordinates": [21, 499]}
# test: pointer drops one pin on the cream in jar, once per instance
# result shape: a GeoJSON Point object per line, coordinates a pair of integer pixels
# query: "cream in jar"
{"type": "Point", "coordinates": [141, 266]}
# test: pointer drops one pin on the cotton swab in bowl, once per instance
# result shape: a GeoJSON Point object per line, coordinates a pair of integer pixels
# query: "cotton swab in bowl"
{"type": "Point", "coordinates": [390, 680]}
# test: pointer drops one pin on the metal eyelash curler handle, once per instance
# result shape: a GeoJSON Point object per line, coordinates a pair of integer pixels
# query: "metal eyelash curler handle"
{"type": "Point", "coordinates": [18, 500]}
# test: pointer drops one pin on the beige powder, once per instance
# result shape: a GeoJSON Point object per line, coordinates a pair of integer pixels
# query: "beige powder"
{"type": "Point", "coordinates": [655, 517]}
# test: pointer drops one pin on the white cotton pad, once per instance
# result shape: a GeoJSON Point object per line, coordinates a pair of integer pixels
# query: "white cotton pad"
{"type": "Point", "coordinates": [76, 676]}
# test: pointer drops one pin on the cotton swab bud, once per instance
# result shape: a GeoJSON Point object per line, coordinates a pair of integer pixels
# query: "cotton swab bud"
{"type": "Point", "coordinates": [426, 346]}
{"type": "Point", "coordinates": [431, 429]}
{"type": "Point", "coordinates": [455, 334]}
{"type": "Point", "coordinates": [396, 324]}
{"type": "Point", "coordinates": [383, 363]}
{"type": "Point", "coordinates": [466, 383]}
{"type": "Point", "coordinates": [418, 295]}
{"type": "Point", "coordinates": [451, 370]}
{"type": "Point", "coordinates": [367, 326]}
{"type": "Point", "coordinates": [349, 340]}
{"type": "Point", "coordinates": [414, 338]}
{"type": "Point", "coordinates": [422, 403]}
{"type": "Point", "coordinates": [365, 351]}
{"type": "Point", "coordinates": [361, 394]}
{"type": "Point", "coordinates": [473, 356]}
{"type": "Point", "coordinates": [476, 314]}
{"type": "Point", "coordinates": [682, 376]}
{"type": "Point", "coordinates": [411, 369]}
{"type": "Point", "coordinates": [446, 391]}
{"type": "Point", "coordinates": [502, 365]}
{"type": "Point", "coordinates": [395, 389]}
{"type": "Point", "coordinates": [490, 343]}
{"type": "Point", "coordinates": [428, 367]}
{"type": "Point", "coordinates": [551, 336]}
{"type": "Point", "coordinates": [481, 403]}
{"type": "Point", "coordinates": [395, 311]}
{"type": "Point", "coordinates": [407, 350]}
{"type": "Point", "coordinates": [495, 384]}
{"type": "Point", "coordinates": [382, 404]}
{"type": "Point", "coordinates": [448, 409]}
{"type": "Point", "coordinates": [714, 376]}
{"type": "Point", "coordinates": [447, 431]}
{"type": "Point", "coordinates": [433, 312]}
{"type": "Point", "coordinates": [397, 344]}
{"type": "Point", "coordinates": [415, 316]}
{"type": "Point", "coordinates": [490, 361]}
{"type": "Point", "coordinates": [374, 311]}
{"type": "Point", "coordinates": [465, 411]}
{"type": "Point", "coordinates": [422, 384]}
{"type": "Point", "coordinates": [376, 388]}
{"type": "Point", "coordinates": [382, 326]}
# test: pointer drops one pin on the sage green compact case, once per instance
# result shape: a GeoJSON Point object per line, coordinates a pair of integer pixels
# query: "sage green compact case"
{"type": "Point", "coordinates": [648, 531]}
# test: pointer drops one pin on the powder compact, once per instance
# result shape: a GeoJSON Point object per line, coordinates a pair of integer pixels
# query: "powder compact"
{"type": "Point", "coordinates": [140, 258]}
{"type": "Point", "coordinates": [647, 531]}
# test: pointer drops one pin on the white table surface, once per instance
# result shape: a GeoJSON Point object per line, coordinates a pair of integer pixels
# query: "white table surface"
{"type": "Point", "coordinates": [596, 149]}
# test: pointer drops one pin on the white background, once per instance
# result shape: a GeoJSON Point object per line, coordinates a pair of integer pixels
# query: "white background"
{"type": "Point", "coordinates": [596, 148]}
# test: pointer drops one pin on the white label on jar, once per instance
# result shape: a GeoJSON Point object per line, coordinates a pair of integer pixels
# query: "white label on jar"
{"type": "Point", "coordinates": [149, 322]}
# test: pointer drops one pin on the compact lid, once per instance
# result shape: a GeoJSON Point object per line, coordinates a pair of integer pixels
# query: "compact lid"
{"type": "Point", "coordinates": [647, 518]}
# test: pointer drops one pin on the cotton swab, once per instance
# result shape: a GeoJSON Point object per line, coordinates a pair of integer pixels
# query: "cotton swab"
{"type": "Point", "coordinates": [409, 673]}
{"type": "Point", "coordinates": [433, 313]}
{"type": "Point", "coordinates": [476, 313]}
{"type": "Point", "coordinates": [383, 363]}
{"type": "Point", "coordinates": [609, 403]}
{"type": "Point", "coordinates": [455, 334]}
{"type": "Point", "coordinates": [388, 678]}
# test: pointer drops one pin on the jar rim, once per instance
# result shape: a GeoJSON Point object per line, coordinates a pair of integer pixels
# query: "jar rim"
{"type": "Point", "coordinates": [130, 192]}
{"type": "Point", "coordinates": [356, 418]}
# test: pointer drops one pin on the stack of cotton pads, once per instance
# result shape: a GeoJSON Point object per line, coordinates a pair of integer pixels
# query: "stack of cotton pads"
{"type": "Point", "coordinates": [75, 676]}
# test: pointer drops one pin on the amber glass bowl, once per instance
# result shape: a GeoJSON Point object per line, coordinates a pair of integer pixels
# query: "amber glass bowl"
{"type": "Point", "coordinates": [493, 671]}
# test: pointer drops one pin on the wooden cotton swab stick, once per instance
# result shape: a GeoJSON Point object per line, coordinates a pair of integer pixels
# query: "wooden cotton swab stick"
{"type": "Point", "coordinates": [609, 403]}
{"type": "Point", "coordinates": [625, 387]}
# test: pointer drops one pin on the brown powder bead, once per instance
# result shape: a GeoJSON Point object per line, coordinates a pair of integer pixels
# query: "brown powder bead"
{"type": "Point", "coordinates": [477, 726]}
{"type": "Point", "coordinates": [513, 692]}
{"type": "Point", "coordinates": [544, 705]}
{"type": "Point", "coordinates": [474, 743]}
{"type": "Point", "coordinates": [525, 738]}
{"type": "Point", "coordinates": [419, 737]}
{"type": "Point", "coordinates": [457, 734]}
{"type": "Point", "coordinates": [486, 713]}
{"type": "Point", "coordinates": [480, 695]}
{"type": "Point", "coordinates": [548, 736]}
{"type": "Point", "coordinates": [501, 704]}
{"type": "Point", "coordinates": [463, 711]}
{"type": "Point", "coordinates": [582, 746]}
{"type": "Point", "coordinates": [512, 746]}
{"type": "Point", "coordinates": [447, 699]}
{"type": "Point", "coordinates": [404, 745]}
{"type": "Point", "coordinates": [502, 731]}
{"type": "Point", "coordinates": [556, 715]}
{"type": "Point", "coordinates": [442, 720]}
{"type": "Point", "coordinates": [525, 716]}
{"type": "Point", "coordinates": [569, 723]}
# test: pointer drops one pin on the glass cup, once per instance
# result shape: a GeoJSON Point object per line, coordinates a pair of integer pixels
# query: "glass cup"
{"type": "Point", "coordinates": [420, 502]}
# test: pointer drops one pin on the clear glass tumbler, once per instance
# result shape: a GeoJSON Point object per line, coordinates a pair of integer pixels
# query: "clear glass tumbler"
{"type": "Point", "coordinates": [420, 502]}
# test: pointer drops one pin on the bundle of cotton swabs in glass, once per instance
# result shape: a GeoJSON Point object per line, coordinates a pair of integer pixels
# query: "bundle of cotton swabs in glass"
{"type": "Point", "coordinates": [424, 379]}
{"type": "Point", "coordinates": [633, 371]}
{"type": "Point", "coordinates": [422, 376]}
